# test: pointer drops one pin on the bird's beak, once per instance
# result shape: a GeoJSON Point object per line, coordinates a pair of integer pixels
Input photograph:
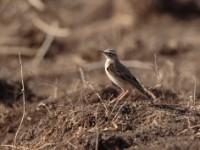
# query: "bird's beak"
{"type": "Point", "coordinates": [100, 51]}
{"type": "Point", "coordinates": [103, 52]}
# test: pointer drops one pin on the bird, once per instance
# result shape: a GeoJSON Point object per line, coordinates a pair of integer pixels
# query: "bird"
{"type": "Point", "coordinates": [122, 77]}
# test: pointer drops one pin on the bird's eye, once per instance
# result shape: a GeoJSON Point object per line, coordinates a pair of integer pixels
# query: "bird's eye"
{"type": "Point", "coordinates": [110, 53]}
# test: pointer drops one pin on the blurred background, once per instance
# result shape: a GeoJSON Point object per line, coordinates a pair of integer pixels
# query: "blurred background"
{"type": "Point", "coordinates": [54, 37]}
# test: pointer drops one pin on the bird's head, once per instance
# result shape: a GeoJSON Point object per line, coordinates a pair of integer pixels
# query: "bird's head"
{"type": "Point", "coordinates": [109, 54]}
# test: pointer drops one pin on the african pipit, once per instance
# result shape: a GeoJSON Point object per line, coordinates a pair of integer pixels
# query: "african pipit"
{"type": "Point", "coordinates": [122, 77]}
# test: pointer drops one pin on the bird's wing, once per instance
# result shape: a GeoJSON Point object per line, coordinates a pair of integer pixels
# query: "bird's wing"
{"type": "Point", "coordinates": [125, 74]}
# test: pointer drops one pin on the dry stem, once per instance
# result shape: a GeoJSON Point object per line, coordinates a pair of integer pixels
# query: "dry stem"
{"type": "Point", "coordinates": [38, 4]}
{"type": "Point", "coordinates": [58, 32]}
{"type": "Point", "coordinates": [24, 102]}
{"type": "Point", "coordinates": [45, 46]}
{"type": "Point", "coordinates": [195, 87]}
{"type": "Point", "coordinates": [13, 50]}
{"type": "Point", "coordinates": [97, 129]}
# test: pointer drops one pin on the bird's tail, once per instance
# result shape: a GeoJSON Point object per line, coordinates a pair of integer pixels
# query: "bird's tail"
{"type": "Point", "coordinates": [146, 93]}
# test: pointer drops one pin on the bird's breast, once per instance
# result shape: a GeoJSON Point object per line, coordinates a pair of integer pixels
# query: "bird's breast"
{"type": "Point", "coordinates": [110, 73]}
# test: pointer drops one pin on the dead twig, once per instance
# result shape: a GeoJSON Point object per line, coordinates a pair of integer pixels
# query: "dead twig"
{"type": "Point", "coordinates": [128, 63]}
{"type": "Point", "coordinates": [15, 147]}
{"type": "Point", "coordinates": [158, 75]}
{"type": "Point", "coordinates": [156, 66]}
{"type": "Point", "coordinates": [87, 82]}
{"type": "Point", "coordinates": [74, 146]}
{"type": "Point", "coordinates": [13, 50]}
{"type": "Point", "coordinates": [56, 89]}
{"type": "Point", "coordinates": [194, 93]}
{"type": "Point", "coordinates": [38, 4]}
{"type": "Point", "coordinates": [97, 129]}
{"type": "Point", "coordinates": [24, 102]}
{"type": "Point", "coordinates": [82, 76]}
{"type": "Point", "coordinates": [189, 127]}
{"type": "Point", "coordinates": [42, 104]}
{"type": "Point", "coordinates": [118, 111]}
{"type": "Point", "coordinates": [11, 40]}
{"type": "Point", "coordinates": [45, 145]}
{"type": "Point", "coordinates": [137, 64]}
{"type": "Point", "coordinates": [54, 31]}
{"type": "Point", "coordinates": [45, 47]}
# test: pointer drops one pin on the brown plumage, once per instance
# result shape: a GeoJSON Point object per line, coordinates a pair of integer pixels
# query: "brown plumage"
{"type": "Point", "coordinates": [121, 76]}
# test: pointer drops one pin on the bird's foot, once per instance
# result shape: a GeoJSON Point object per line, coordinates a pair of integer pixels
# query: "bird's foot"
{"type": "Point", "coordinates": [120, 97]}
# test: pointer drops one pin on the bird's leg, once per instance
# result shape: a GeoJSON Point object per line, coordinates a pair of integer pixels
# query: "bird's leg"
{"type": "Point", "coordinates": [120, 97]}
